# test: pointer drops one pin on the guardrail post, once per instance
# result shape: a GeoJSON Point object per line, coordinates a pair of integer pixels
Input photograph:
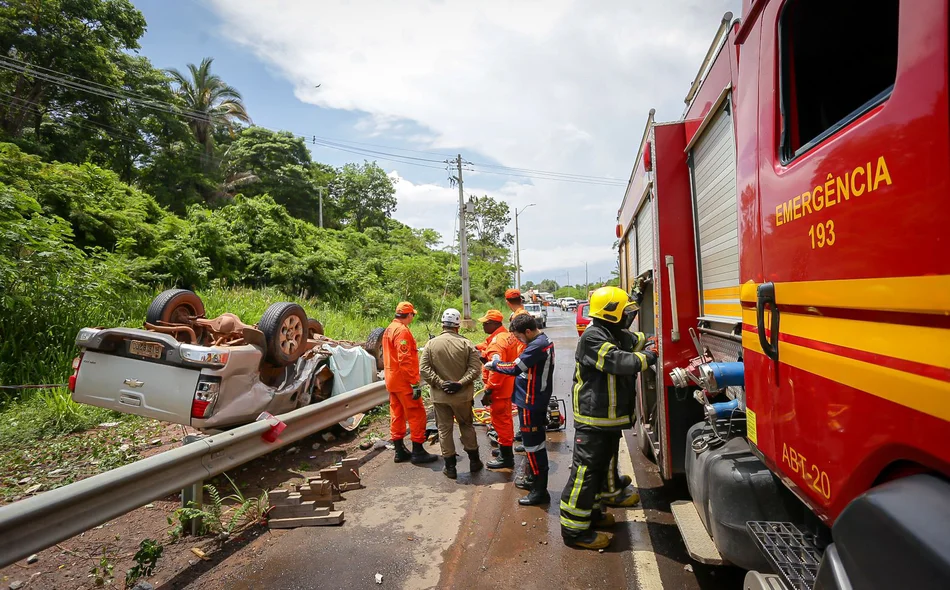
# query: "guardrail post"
{"type": "Point", "coordinates": [193, 495]}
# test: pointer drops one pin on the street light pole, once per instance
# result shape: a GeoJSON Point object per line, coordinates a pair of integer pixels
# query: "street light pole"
{"type": "Point", "coordinates": [320, 191]}
{"type": "Point", "coordinates": [518, 247]}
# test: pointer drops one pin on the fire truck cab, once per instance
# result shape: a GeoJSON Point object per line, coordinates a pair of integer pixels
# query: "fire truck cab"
{"type": "Point", "coordinates": [791, 236]}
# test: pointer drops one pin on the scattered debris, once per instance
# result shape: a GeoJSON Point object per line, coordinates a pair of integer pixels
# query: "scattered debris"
{"type": "Point", "coordinates": [150, 505]}
{"type": "Point", "coordinates": [316, 446]}
{"type": "Point", "coordinates": [143, 585]}
{"type": "Point", "coordinates": [33, 489]}
{"type": "Point", "coordinates": [16, 585]}
{"type": "Point", "coordinates": [310, 504]}
{"type": "Point", "coordinates": [328, 437]}
{"type": "Point", "coordinates": [33, 558]}
{"type": "Point", "coordinates": [293, 450]}
{"type": "Point", "coordinates": [200, 554]}
{"type": "Point", "coordinates": [379, 578]}
{"type": "Point", "coordinates": [600, 551]}
{"type": "Point", "coordinates": [688, 568]}
{"type": "Point", "coordinates": [155, 442]}
{"type": "Point", "coordinates": [108, 424]}
{"type": "Point", "coordinates": [25, 481]}
{"type": "Point", "coordinates": [524, 524]}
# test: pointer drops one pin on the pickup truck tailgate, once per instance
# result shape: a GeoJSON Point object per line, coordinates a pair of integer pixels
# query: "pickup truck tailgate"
{"type": "Point", "coordinates": [133, 386]}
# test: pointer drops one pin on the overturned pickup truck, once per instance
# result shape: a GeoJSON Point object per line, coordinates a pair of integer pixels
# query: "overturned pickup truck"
{"type": "Point", "coordinates": [218, 373]}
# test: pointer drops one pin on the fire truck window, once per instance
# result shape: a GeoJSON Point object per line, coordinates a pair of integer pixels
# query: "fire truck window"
{"type": "Point", "coordinates": [838, 60]}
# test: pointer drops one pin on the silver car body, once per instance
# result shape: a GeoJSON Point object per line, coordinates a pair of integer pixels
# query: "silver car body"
{"type": "Point", "coordinates": [112, 376]}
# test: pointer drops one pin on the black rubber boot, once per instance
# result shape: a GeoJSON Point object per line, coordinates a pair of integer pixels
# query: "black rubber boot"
{"type": "Point", "coordinates": [420, 456]}
{"type": "Point", "coordinates": [539, 492]}
{"type": "Point", "coordinates": [449, 470]}
{"type": "Point", "coordinates": [505, 460]}
{"type": "Point", "coordinates": [474, 461]}
{"type": "Point", "coordinates": [402, 453]}
{"type": "Point", "coordinates": [495, 452]}
{"type": "Point", "coordinates": [525, 481]}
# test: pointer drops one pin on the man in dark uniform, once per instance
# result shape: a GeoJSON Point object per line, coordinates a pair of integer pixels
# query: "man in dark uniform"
{"type": "Point", "coordinates": [604, 397]}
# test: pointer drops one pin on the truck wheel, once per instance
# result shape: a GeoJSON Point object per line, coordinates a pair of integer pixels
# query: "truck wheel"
{"type": "Point", "coordinates": [175, 306]}
{"type": "Point", "coordinates": [284, 326]}
{"type": "Point", "coordinates": [314, 328]}
{"type": "Point", "coordinates": [374, 346]}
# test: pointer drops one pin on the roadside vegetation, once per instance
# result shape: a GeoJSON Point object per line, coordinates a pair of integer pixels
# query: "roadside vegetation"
{"type": "Point", "coordinates": [159, 179]}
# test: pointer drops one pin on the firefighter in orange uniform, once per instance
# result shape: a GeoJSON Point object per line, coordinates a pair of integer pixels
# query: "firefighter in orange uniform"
{"type": "Point", "coordinates": [401, 361]}
{"type": "Point", "coordinates": [503, 345]}
{"type": "Point", "coordinates": [515, 304]}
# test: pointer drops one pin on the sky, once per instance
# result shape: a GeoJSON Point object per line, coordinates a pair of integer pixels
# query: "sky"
{"type": "Point", "coordinates": [559, 86]}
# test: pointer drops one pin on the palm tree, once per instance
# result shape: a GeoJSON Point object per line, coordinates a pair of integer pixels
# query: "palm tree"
{"type": "Point", "coordinates": [208, 102]}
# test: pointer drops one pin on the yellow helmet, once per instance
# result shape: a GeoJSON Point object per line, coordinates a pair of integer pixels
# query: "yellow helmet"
{"type": "Point", "coordinates": [608, 303]}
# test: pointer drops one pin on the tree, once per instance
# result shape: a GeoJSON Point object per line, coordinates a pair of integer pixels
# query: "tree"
{"type": "Point", "coordinates": [208, 102]}
{"type": "Point", "coordinates": [486, 230]}
{"type": "Point", "coordinates": [81, 38]}
{"type": "Point", "coordinates": [276, 163]}
{"type": "Point", "coordinates": [364, 194]}
{"type": "Point", "coordinates": [548, 286]}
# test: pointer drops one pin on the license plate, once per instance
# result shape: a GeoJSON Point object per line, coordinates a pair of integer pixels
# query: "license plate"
{"type": "Point", "coordinates": [152, 350]}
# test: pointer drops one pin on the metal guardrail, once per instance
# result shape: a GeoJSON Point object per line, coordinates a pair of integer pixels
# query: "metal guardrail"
{"type": "Point", "coordinates": [43, 520]}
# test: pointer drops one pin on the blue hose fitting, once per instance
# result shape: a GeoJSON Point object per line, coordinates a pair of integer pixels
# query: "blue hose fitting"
{"type": "Point", "coordinates": [725, 409]}
{"type": "Point", "coordinates": [717, 377]}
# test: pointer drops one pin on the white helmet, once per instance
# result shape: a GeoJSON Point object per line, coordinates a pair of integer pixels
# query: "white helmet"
{"type": "Point", "coordinates": [452, 317]}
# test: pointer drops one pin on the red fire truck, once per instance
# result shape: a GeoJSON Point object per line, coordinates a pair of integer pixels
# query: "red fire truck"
{"type": "Point", "coordinates": [791, 237]}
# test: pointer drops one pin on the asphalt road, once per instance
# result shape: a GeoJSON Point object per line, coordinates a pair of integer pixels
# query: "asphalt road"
{"type": "Point", "coordinates": [419, 529]}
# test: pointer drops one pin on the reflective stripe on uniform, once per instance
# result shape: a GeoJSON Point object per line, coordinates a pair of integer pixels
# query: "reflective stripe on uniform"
{"type": "Point", "coordinates": [592, 421]}
{"type": "Point", "coordinates": [641, 340]}
{"type": "Point", "coordinates": [577, 389]}
{"type": "Point", "coordinates": [643, 360]}
{"type": "Point", "coordinates": [578, 480]}
{"type": "Point", "coordinates": [601, 355]}
{"type": "Point", "coordinates": [575, 511]}
{"type": "Point", "coordinates": [611, 396]}
{"type": "Point", "coordinates": [574, 524]}
{"type": "Point", "coordinates": [522, 366]}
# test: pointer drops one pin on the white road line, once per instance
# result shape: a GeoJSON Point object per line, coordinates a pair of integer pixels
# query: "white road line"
{"type": "Point", "coordinates": [644, 558]}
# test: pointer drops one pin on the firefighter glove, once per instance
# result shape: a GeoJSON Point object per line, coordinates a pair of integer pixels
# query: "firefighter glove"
{"type": "Point", "coordinates": [416, 391]}
{"type": "Point", "coordinates": [486, 399]}
{"type": "Point", "coordinates": [651, 356]}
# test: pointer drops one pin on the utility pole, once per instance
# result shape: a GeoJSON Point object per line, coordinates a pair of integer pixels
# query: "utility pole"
{"type": "Point", "coordinates": [586, 279]}
{"type": "Point", "coordinates": [463, 253]}
{"type": "Point", "coordinates": [320, 190]}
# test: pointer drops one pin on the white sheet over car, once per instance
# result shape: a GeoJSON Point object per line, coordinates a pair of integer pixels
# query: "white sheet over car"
{"type": "Point", "coordinates": [351, 367]}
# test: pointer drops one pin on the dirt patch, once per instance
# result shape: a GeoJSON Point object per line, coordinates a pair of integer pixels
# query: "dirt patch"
{"type": "Point", "coordinates": [70, 563]}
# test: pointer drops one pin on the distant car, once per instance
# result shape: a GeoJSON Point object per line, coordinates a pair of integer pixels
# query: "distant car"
{"type": "Point", "coordinates": [568, 304]}
{"type": "Point", "coordinates": [217, 373]}
{"type": "Point", "coordinates": [538, 313]}
{"type": "Point", "coordinates": [582, 318]}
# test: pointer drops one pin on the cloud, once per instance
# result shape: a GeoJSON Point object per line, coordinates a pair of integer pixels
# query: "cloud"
{"type": "Point", "coordinates": [561, 85]}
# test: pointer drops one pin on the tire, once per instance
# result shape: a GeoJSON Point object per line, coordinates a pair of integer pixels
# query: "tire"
{"type": "Point", "coordinates": [175, 306]}
{"type": "Point", "coordinates": [285, 327]}
{"type": "Point", "coordinates": [314, 328]}
{"type": "Point", "coordinates": [374, 346]}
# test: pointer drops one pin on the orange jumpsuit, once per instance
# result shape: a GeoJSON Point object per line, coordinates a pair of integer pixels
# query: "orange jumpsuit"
{"type": "Point", "coordinates": [504, 344]}
{"type": "Point", "coordinates": [401, 361]}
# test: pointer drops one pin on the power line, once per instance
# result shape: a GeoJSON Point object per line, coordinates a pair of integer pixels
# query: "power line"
{"type": "Point", "coordinates": [84, 85]}
{"type": "Point", "coordinates": [547, 172]}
